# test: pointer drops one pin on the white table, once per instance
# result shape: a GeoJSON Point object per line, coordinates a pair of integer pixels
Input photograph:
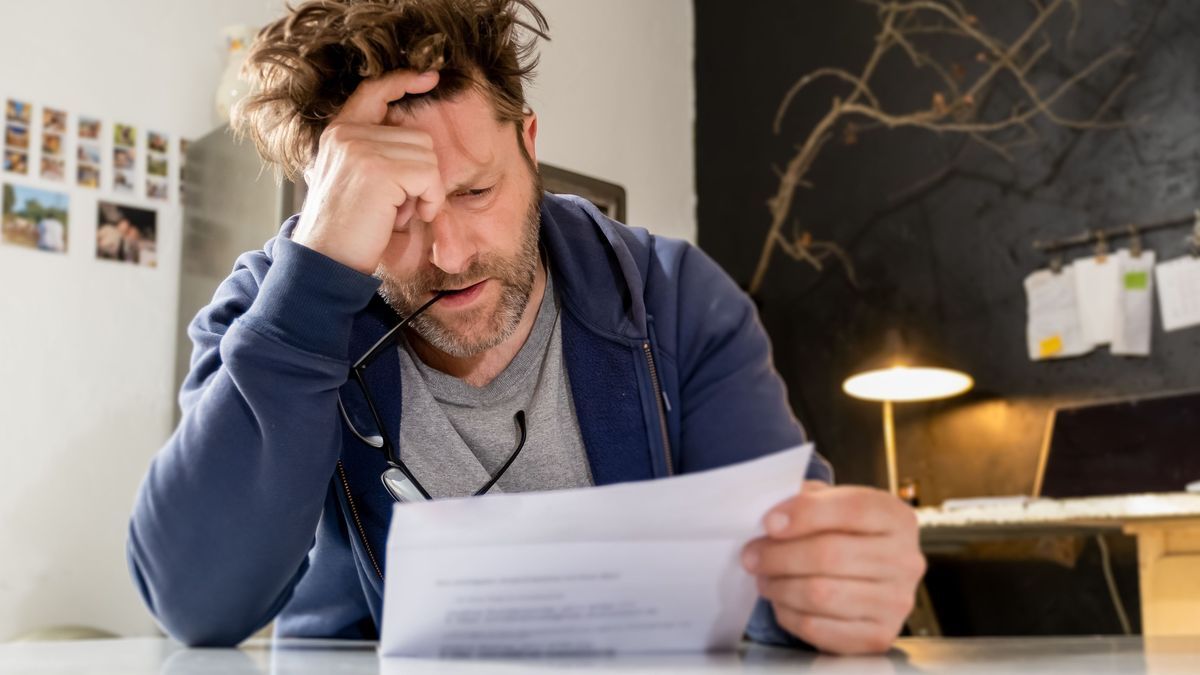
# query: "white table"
{"type": "Point", "coordinates": [1167, 527]}
{"type": "Point", "coordinates": [1028, 656]}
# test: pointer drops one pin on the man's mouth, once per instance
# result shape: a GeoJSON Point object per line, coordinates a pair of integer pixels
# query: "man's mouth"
{"type": "Point", "coordinates": [462, 294]}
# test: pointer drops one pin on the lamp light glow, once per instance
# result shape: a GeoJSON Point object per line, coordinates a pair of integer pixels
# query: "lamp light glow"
{"type": "Point", "coordinates": [907, 383]}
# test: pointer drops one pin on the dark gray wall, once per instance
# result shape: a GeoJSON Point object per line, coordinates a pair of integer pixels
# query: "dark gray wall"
{"type": "Point", "coordinates": [945, 262]}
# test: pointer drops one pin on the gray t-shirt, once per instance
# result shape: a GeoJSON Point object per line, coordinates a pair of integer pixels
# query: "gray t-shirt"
{"type": "Point", "coordinates": [455, 436]}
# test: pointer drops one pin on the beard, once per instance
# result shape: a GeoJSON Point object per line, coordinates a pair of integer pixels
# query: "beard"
{"type": "Point", "coordinates": [476, 333]}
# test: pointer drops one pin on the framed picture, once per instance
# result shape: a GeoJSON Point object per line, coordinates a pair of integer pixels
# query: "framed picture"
{"type": "Point", "coordinates": [608, 197]}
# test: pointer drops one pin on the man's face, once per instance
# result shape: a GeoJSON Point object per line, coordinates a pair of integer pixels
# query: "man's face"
{"type": "Point", "coordinates": [482, 244]}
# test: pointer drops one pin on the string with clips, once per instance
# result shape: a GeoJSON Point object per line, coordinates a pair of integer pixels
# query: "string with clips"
{"type": "Point", "coordinates": [1132, 231]}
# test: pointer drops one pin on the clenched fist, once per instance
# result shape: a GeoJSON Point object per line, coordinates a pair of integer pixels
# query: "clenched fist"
{"type": "Point", "coordinates": [369, 179]}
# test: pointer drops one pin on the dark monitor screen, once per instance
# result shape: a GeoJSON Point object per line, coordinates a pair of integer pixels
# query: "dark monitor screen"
{"type": "Point", "coordinates": [1143, 445]}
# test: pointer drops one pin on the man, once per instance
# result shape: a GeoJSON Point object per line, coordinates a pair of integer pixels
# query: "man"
{"type": "Point", "coordinates": [591, 352]}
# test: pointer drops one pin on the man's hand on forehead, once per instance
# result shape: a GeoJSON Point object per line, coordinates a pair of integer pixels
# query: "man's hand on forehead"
{"type": "Point", "coordinates": [369, 178]}
{"type": "Point", "coordinates": [370, 101]}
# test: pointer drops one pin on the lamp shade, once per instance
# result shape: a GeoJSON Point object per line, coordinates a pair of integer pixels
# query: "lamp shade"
{"type": "Point", "coordinates": [907, 383]}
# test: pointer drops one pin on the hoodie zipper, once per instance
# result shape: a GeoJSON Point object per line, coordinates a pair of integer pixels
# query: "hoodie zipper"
{"type": "Point", "coordinates": [658, 398]}
{"type": "Point", "coordinates": [362, 533]}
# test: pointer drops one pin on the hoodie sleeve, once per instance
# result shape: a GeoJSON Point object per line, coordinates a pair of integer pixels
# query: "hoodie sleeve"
{"type": "Point", "coordinates": [734, 403]}
{"type": "Point", "coordinates": [229, 508]}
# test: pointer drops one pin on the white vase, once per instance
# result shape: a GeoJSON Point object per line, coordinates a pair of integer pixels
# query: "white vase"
{"type": "Point", "coordinates": [232, 88]}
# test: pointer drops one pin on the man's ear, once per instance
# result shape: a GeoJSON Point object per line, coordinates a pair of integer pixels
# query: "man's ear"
{"type": "Point", "coordinates": [529, 134]}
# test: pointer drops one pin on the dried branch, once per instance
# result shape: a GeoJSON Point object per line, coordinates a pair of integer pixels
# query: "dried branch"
{"type": "Point", "coordinates": [904, 24]}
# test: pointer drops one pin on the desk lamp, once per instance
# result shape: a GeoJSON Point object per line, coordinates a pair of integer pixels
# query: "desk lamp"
{"type": "Point", "coordinates": [899, 380]}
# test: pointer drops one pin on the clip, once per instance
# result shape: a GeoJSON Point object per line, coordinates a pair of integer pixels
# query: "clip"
{"type": "Point", "coordinates": [1101, 246]}
{"type": "Point", "coordinates": [1194, 240]}
{"type": "Point", "coordinates": [1135, 241]}
{"type": "Point", "coordinates": [1056, 263]}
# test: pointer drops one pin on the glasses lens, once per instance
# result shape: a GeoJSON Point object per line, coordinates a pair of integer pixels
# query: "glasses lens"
{"type": "Point", "coordinates": [400, 487]}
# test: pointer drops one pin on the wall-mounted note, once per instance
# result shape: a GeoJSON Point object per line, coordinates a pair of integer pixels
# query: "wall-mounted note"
{"type": "Point", "coordinates": [1132, 324]}
{"type": "Point", "coordinates": [1054, 330]}
{"type": "Point", "coordinates": [1179, 293]}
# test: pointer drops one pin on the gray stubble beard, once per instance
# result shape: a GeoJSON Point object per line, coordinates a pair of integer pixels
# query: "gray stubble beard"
{"type": "Point", "coordinates": [516, 277]}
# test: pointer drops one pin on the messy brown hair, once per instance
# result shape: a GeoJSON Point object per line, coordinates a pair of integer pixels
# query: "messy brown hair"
{"type": "Point", "coordinates": [305, 65]}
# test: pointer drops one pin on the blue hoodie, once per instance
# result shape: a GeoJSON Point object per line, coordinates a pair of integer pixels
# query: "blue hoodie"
{"type": "Point", "coordinates": [262, 506]}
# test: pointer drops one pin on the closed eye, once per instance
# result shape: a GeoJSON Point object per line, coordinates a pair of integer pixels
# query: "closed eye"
{"type": "Point", "coordinates": [478, 192]}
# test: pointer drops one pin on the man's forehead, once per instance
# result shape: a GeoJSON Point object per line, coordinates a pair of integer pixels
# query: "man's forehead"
{"type": "Point", "coordinates": [464, 129]}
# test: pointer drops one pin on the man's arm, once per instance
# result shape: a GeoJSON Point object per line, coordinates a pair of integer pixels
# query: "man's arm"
{"type": "Point", "coordinates": [230, 506]}
{"type": "Point", "coordinates": [812, 568]}
{"type": "Point", "coordinates": [228, 510]}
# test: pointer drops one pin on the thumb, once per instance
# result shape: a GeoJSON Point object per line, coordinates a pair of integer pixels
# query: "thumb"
{"type": "Point", "coordinates": [815, 486]}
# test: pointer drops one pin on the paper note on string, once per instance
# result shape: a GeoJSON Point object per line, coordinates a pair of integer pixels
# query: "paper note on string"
{"type": "Point", "coordinates": [1054, 330]}
{"type": "Point", "coordinates": [1097, 286]}
{"type": "Point", "coordinates": [1132, 319]}
{"type": "Point", "coordinates": [1179, 293]}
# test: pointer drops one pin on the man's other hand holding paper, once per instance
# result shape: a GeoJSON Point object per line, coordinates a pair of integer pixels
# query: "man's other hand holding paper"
{"type": "Point", "coordinates": [840, 566]}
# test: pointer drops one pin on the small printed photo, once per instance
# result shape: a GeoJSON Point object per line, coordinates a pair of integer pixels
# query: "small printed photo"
{"type": "Point", "coordinates": [35, 218]}
{"type": "Point", "coordinates": [89, 128]}
{"type": "Point", "coordinates": [123, 181]}
{"type": "Point", "coordinates": [88, 176]}
{"type": "Point", "coordinates": [127, 234]}
{"type": "Point", "coordinates": [53, 168]}
{"type": "Point", "coordinates": [124, 158]}
{"type": "Point", "coordinates": [124, 134]}
{"type": "Point", "coordinates": [156, 165]}
{"type": "Point", "coordinates": [52, 144]}
{"type": "Point", "coordinates": [16, 136]}
{"type": "Point", "coordinates": [88, 154]}
{"type": "Point", "coordinates": [156, 189]}
{"type": "Point", "coordinates": [16, 161]}
{"type": "Point", "coordinates": [157, 142]}
{"type": "Point", "coordinates": [18, 111]}
{"type": "Point", "coordinates": [54, 120]}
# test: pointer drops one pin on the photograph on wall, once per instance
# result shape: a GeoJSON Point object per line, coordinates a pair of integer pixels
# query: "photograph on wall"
{"type": "Point", "coordinates": [53, 168]}
{"type": "Point", "coordinates": [88, 153]}
{"type": "Point", "coordinates": [16, 136]}
{"type": "Point", "coordinates": [123, 181]}
{"type": "Point", "coordinates": [34, 218]}
{"type": "Point", "coordinates": [124, 136]}
{"type": "Point", "coordinates": [54, 121]}
{"type": "Point", "coordinates": [88, 176]}
{"type": "Point", "coordinates": [16, 161]}
{"type": "Point", "coordinates": [18, 111]}
{"type": "Point", "coordinates": [184, 144]}
{"type": "Point", "coordinates": [54, 125]}
{"type": "Point", "coordinates": [17, 115]}
{"type": "Point", "coordinates": [157, 165]}
{"type": "Point", "coordinates": [124, 158]}
{"type": "Point", "coordinates": [52, 144]}
{"type": "Point", "coordinates": [127, 234]}
{"type": "Point", "coordinates": [89, 128]}
{"type": "Point", "coordinates": [158, 142]}
{"type": "Point", "coordinates": [156, 188]}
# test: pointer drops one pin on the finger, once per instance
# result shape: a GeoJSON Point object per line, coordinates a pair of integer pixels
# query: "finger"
{"type": "Point", "coordinates": [837, 636]}
{"type": "Point", "coordinates": [404, 214]}
{"type": "Point", "coordinates": [865, 557]}
{"type": "Point", "coordinates": [369, 102]}
{"type": "Point", "coordinates": [837, 598]}
{"type": "Point", "coordinates": [850, 509]}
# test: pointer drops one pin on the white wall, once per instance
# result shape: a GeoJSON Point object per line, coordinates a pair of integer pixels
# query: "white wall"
{"type": "Point", "coordinates": [86, 346]}
{"type": "Point", "coordinates": [615, 99]}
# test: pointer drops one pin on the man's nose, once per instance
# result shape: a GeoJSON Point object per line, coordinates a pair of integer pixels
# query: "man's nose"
{"type": "Point", "coordinates": [453, 249]}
